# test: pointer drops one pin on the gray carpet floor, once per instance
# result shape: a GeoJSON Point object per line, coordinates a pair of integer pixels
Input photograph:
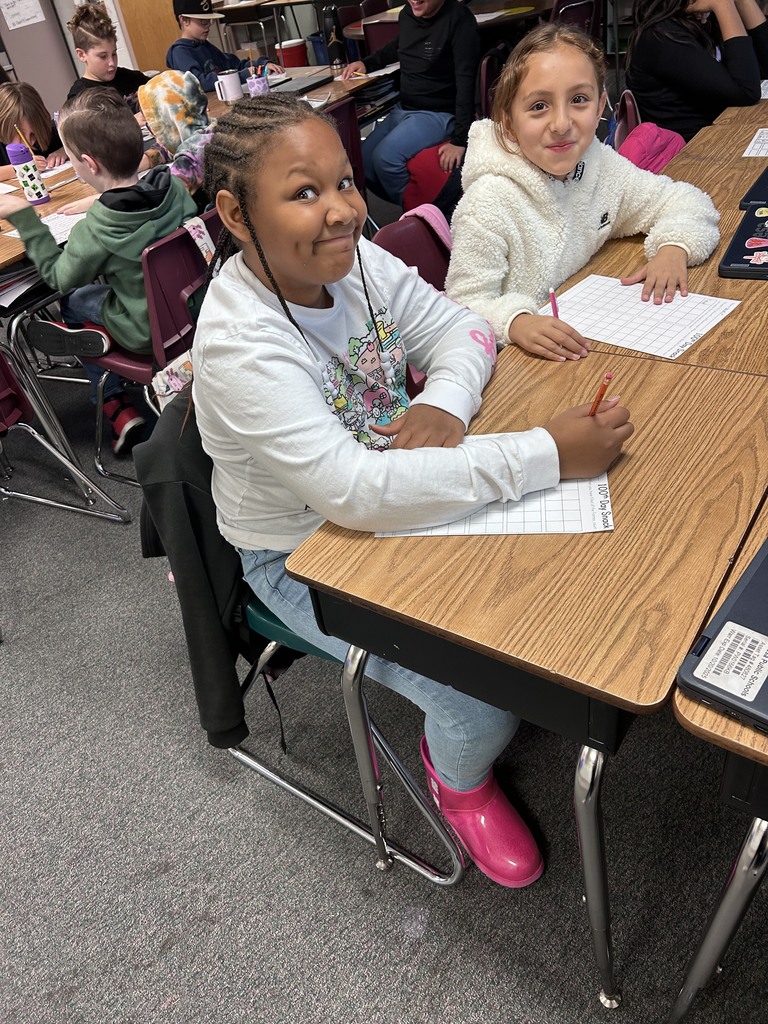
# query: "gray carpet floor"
{"type": "Point", "coordinates": [147, 877]}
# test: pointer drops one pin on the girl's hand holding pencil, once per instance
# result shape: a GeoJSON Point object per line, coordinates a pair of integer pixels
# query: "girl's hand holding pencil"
{"type": "Point", "coordinates": [588, 443]}
{"type": "Point", "coordinates": [548, 337]}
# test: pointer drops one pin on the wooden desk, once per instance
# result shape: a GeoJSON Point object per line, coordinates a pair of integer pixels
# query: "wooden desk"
{"type": "Point", "coordinates": [756, 115]}
{"type": "Point", "coordinates": [575, 633]}
{"type": "Point", "coordinates": [335, 91]}
{"type": "Point", "coordinates": [12, 249]}
{"type": "Point", "coordinates": [491, 15]}
{"type": "Point", "coordinates": [744, 786]}
{"type": "Point", "coordinates": [712, 161]}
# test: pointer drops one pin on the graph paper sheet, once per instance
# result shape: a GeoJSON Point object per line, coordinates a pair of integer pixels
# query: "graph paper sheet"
{"type": "Point", "coordinates": [60, 225]}
{"type": "Point", "coordinates": [759, 144]}
{"type": "Point", "coordinates": [603, 309]}
{"type": "Point", "coordinates": [574, 506]}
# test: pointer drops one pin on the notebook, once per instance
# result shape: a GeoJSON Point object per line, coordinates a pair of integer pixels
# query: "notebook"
{"type": "Point", "coordinates": [299, 86]}
{"type": "Point", "coordinates": [728, 665]}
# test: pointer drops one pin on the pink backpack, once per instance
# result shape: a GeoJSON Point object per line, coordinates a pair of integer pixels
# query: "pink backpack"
{"type": "Point", "coordinates": [651, 147]}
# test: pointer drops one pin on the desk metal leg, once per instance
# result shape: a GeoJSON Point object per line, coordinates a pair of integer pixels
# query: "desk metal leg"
{"type": "Point", "coordinates": [738, 892]}
{"type": "Point", "coordinates": [589, 821]}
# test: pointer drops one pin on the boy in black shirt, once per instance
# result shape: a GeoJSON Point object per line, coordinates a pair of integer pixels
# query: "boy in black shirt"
{"type": "Point", "coordinates": [438, 47]}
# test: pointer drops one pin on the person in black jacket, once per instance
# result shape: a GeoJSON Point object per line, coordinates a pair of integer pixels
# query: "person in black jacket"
{"type": "Point", "coordinates": [688, 61]}
{"type": "Point", "coordinates": [438, 47]}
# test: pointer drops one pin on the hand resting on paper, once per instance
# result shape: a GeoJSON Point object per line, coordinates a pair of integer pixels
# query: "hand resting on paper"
{"type": "Point", "coordinates": [665, 274]}
{"type": "Point", "coordinates": [548, 337]}
{"type": "Point", "coordinates": [588, 445]}
{"type": "Point", "coordinates": [79, 205]}
{"type": "Point", "coordinates": [424, 426]}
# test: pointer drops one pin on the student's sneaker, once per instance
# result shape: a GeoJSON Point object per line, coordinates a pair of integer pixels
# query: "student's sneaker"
{"type": "Point", "coordinates": [125, 423]}
{"type": "Point", "coordinates": [56, 339]}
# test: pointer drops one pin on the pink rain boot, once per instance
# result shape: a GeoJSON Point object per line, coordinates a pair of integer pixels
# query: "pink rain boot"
{"type": "Point", "coordinates": [495, 836]}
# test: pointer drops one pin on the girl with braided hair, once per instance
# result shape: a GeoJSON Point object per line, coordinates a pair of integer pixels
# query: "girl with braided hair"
{"type": "Point", "coordinates": [299, 387]}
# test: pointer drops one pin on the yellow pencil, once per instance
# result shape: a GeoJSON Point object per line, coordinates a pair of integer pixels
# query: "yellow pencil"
{"type": "Point", "coordinates": [23, 139]}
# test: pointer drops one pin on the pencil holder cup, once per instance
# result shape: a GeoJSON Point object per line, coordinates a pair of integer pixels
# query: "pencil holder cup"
{"type": "Point", "coordinates": [258, 86]}
{"type": "Point", "coordinates": [27, 173]}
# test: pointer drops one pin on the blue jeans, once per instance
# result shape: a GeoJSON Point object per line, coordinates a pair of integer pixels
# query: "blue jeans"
{"type": "Point", "coordinates": [84, 304]}
{"type": "Point", "coordinates": [465, 736]}
{"type": "Point", "coordinates": [393, 142]}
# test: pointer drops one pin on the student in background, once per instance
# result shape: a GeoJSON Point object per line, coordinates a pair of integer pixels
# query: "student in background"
{"type": "Point", "coordinates": [192, 51]}
{"type": "Point", "coordinates": [542, 195]}
{"type": "Point", "coordinates": [103, 141]}
{"type": "Point", "coordinates": [688, 61]}
{"type": "Point", "coordinates": [95, 42]}
{"type": "Point", "coordinates": [438, 46]}
{"type": "Point", "coordinates": [300, 362]}
{"type": "Point", "coordinates": [21, 105]}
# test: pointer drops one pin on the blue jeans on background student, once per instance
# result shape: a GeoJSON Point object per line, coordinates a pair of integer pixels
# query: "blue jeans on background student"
{"type": "Point", "coordinates": [464, 735]}
{"type": "Point", "coordinates": [84, 304]}
{"type": "Point", "coordinates": [393, 142]}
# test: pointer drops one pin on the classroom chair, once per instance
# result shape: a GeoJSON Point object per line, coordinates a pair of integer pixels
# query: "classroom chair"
{"type": "Point", "coordinates": [16, 413]}
{"type": "Point", "coordinates": [379, 33]}
{"type": "Point", "coordinates": [174, 275]}
{"type": "Point", "coordinates": [583, 14]}
{"type": "Point", "coordinates": [419, 240]}
{"type": "Point", "coordinates": [349, 14]}
{"type": "Point", "coordinates": [371, 7]}
{"type": "Point", "coordinates": [627, 118]}
{"type": "Point", "coordinates": [222, 619]}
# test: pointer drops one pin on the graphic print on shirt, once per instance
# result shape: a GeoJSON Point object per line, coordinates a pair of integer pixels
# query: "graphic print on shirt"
{"type": "Point", "coordinates": [368, 385]}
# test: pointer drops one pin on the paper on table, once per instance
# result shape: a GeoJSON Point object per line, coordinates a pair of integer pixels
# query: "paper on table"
{"type": "Point", "coordinates": [574, 506]}
{"type": "Point", "coordinates": [66, 166]}
{"type": "Point", "coordinates": [60, 224]}
{"type": "Point", "coordinates": [492, 15]}
{"type": "Point", "coordinates": [764, 90]}
{"type": "Point", "coordinates": [759, 144]}
{"type": "Point", "coordinates": [6, 187]}
{"type": "Point", "coordinates": [603, 309]}
{"type": "Point", "coordinates": [388, 70]}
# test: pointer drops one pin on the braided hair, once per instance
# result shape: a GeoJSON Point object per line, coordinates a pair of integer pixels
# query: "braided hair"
{"type": "Point", "coordinates": [238, 148]}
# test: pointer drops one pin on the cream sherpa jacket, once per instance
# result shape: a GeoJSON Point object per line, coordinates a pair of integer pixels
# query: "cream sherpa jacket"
{"type": "Point", "coordinates": [518, 232]}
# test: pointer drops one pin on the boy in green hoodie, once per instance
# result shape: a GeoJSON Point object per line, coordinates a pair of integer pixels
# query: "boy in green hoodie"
{"type": "Point", "coordinates": [103, 141]}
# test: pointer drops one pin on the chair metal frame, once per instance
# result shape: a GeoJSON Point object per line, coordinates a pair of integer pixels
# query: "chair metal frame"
{"type": "Point", "coordinates": [174, 269]}
{"type": "Point", "coordinates": [569, 13]}
{"type": "Point", "coordinates": [16, 412]}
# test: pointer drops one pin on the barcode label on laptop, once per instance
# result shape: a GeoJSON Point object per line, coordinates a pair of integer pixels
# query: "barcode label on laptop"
{"type": "Point", "coordinates": [736, 661]}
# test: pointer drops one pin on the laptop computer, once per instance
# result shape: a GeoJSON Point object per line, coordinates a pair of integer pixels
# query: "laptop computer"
{"type": "Point", "coordinates": [298, 86]}
{"type": "Point", "coordinates": [728, 665]}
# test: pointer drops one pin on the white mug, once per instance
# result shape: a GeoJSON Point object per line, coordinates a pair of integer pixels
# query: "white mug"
{"type": "Point", "coordinates": [228, 87]}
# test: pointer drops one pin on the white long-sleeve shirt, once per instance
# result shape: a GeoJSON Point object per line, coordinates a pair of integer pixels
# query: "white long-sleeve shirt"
{"type": "Point", "coordinates": [286, 419]}
{"type": "Point", "coordinates": [517, 231]}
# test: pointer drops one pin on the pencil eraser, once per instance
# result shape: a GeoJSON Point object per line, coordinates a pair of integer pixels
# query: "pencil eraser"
{"type": "Point", "coordinates": [609, 375]}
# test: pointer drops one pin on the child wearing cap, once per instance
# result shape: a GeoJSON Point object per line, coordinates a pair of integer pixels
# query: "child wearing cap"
{"type": "Point", "coordinates": [192, 51]}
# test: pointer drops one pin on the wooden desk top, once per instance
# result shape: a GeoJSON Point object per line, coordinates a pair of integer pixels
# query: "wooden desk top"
{"type": "Point", "coordinates": [756, 115]}
{"type": "Point", "coordinates": [335, 91]}
{"type": "Point", "coordinates": [504, 10]}
{"type": "Point", "coordinates": [712, 161]}
{"type": "Point", "coordinates": [707, 723]}
{"type": "Point", "coordinates": [611, 615]}
{"type": "Point", "coordinates": [12, 249]}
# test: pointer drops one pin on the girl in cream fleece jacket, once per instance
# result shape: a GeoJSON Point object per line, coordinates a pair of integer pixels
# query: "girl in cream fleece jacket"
{"type": "Point", "coordinates": [542, 195]}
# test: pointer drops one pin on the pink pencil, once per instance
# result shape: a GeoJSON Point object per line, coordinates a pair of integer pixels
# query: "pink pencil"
{"type": "Point", "coordinates": [553, 304]}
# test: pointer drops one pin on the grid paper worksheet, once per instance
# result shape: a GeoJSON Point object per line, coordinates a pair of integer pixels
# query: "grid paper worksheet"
{"type": "Point", "coordinates": [759, 144]}
{"type": "Point", "coordinates": [574, 506]}
{"type": "Point", "coordinates": [60, 224]}
{"type": "Point", "coordinates": [603, 309]}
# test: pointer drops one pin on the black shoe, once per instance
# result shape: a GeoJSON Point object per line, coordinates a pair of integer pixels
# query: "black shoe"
{"type": "Point", "coordinates": [56, 339]}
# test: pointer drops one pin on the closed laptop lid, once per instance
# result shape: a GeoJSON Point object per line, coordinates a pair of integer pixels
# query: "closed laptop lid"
{"type": "Point", "coordinates": [728, 665]}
